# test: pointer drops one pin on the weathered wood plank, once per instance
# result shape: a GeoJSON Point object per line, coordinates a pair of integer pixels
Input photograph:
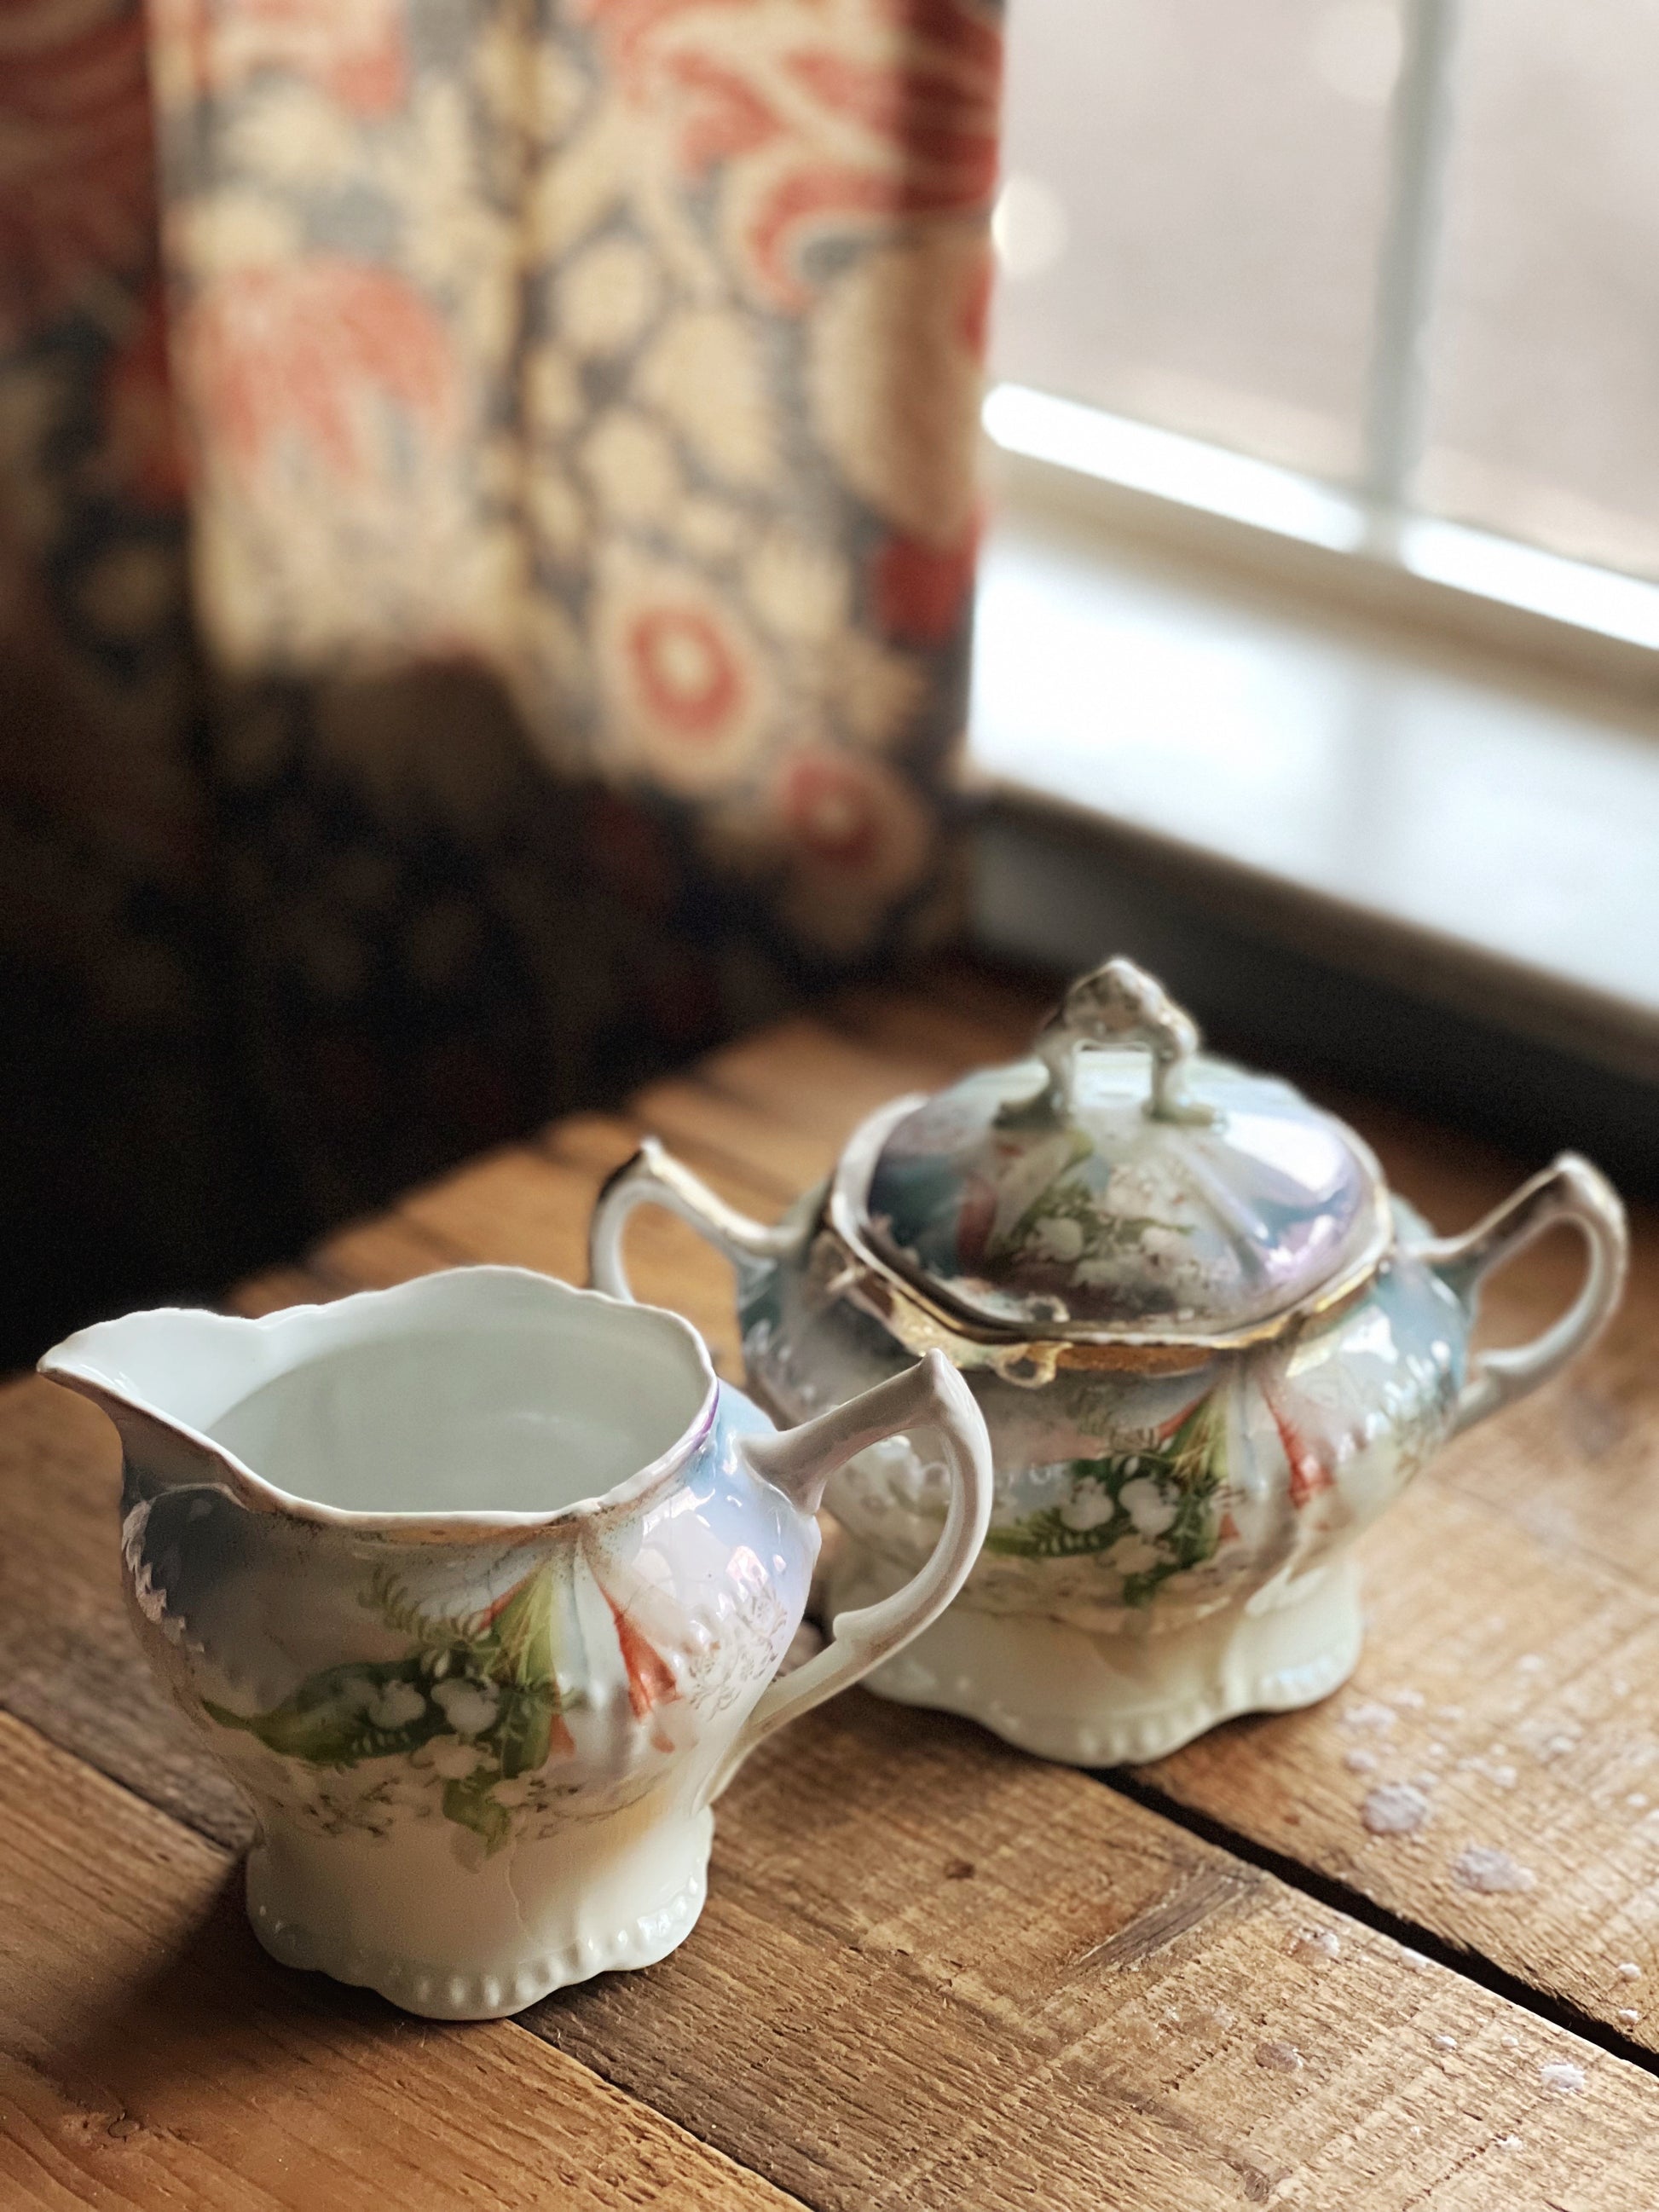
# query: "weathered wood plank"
{"type": "Point", "coordinates": [704, 1125]}
{"type": "Point", "coordinates": [1532, 1541]}
{"type": "Point", "coordinates": [815, 1078]}
{"type": "Point", "coordinates": [276, 1287]}
{"type": "Point", "coordinates": [68, 1663]}
{"type": "Point", "coordinates": [373, 1255]}
{"type": "Point", "coordinates": [1507, 1707]}
{"type": "Point", "coordinates": [150, 2056]}
{"type": "Point", "coordinates": [515, 1206]}
{"type": "Point", "coordinates": [595, 1143]}
{"type": "Point", "coordinates": [934, 1972]}
{"type": "Point", "coordinates": [947, 1028]}
{"type": "Point", "coordinates": [1578, 1465]}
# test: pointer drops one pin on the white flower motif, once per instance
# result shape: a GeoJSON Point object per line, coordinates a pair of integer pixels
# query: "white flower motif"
{"type": "Point", "coordinates": [1133, 1555]}
{"type": "Point", "coordinates": [1146, 1506]}
{"type": "Point", "coordinates": [1108, 1268]}
{"type": "Point", "coordinates": [395, 1706]}
{"type": "Point", "coordinates": [1090, 1506]}
{"type": "Point", "coordinates": [1134, 1187]}
{"type": "Point", "coordinates": [631, 467]}
{"type": "Point", "coordinates": [451, 1758]}
{"type": "Point", "coordinates": [707, 373]}
{"type": "Point", "coordinates": [1056, 1237]}
{"type": "Point", "coordinates": [1163, 1247]}
{"type": "Point", "coordinates": [468, 1707]}
{"type": "Point", "coordinates": [607, 296]}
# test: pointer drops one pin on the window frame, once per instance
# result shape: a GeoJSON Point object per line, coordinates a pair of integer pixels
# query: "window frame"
{"type": "Point", "coordinates": [1363, 546]}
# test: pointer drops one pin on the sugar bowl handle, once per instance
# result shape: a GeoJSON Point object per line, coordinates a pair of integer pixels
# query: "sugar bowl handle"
{"type": "Point", "coordinates": [1571, 1191]}
{"type": "Point", "coordinates": [799, 1461]}
{"type": "Point", "coordinates": [654, 1177]}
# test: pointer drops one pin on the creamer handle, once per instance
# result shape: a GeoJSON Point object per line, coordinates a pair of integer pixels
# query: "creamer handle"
{"type": "Point", "coordinates": [801, 1463]}
{"type": "Point", "coordinates": [1571, 1191]}
{"type": "Point", "coordinates": [654, 1177]}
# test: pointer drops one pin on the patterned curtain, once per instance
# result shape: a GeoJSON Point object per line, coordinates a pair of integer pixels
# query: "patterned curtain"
{"type": "Point", "coordinates": [486, 570]}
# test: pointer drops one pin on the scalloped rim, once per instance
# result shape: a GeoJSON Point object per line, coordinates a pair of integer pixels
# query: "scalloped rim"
{"type": "Point", "coordinates": [91, 1362]}
{"type": "Point", "coordinates": [419, 1986]}
{"type": "Point", "coordinates": [1275, 1684]}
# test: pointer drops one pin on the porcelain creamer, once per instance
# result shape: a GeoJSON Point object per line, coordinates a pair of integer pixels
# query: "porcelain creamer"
{"type": "Point", "coordinates": [480, 1588]}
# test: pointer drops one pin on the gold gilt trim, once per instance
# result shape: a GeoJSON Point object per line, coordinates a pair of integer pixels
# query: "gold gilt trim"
{"type": "Point", "coordinates": [926, 1317]}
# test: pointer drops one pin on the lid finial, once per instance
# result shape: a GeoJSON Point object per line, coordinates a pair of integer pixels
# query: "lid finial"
{"type": "Point", "coordinates": [1116, 1187]}
{"type": "Point", "coordinates": [1117, 1003]}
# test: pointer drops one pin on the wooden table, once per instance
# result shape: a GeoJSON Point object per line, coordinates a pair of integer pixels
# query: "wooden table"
{"type": "Point", "coordinates": [932, 1971]}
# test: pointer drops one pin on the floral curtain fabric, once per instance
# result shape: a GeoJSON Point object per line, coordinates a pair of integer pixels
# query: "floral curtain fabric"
{"type": "Point", "coordinates": [565, 410]}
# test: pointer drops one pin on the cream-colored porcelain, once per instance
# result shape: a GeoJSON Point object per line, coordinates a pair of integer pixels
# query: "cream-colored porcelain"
{"type": "Point", "coordinates": [1209, 1345]}
{"type": "Point", "coordinates": [480, 1588]}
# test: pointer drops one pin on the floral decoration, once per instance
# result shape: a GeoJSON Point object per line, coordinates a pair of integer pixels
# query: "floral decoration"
{"type": "Point", "coordinates": [535, 411]}
{"type": "Point", "coordinates": [476, 1700]}
{"type": "Point", "coordinates": [1149, 1509]}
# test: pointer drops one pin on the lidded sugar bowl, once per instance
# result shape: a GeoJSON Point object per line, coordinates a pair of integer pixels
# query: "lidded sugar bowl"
{"type": "Point", "coordinates": [1209, 1343]}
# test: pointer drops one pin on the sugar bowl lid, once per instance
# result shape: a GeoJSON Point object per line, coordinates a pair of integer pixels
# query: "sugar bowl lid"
{"type": "Point", "coordinates": [1117, 1184]}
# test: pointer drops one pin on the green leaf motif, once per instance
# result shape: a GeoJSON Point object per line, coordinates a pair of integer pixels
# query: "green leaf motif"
{"type": "Point", "coordinates": [498, 1668]}
{"type": "Point", "coordinates": [469, 1805]}
{"type": "Point", "coordinates": [523, 1735]}
{"type": "Point", "coordinates": [1187, 1469]}
{"type": "Point", "coordinates": [1069, 1196]}
{"type": "Point", "coordinates": [346, 1714]}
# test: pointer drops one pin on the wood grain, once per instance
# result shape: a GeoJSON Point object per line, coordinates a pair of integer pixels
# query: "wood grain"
{"type": "Point", "coordinates": [151, 2055]}
{"type": "Point", "coordinates": [701, 1123]}
{"type": "Point", "coordinates": [68, 1663]}
{"type": "Point", "coordinates": [934, 1972]}
{"type": "Point", "coordinates": [517, 1206]}
{"type": "Point", "coordinates": [276, 1287]}
{"type": "Point", "coordinates": [371, 1254]}
{"type": "Point", "coordinates": [1516, 1692]}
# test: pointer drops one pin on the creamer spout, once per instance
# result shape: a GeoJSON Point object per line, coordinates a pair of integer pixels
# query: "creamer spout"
{"type": "Point", "coordinates": [165, 1378]}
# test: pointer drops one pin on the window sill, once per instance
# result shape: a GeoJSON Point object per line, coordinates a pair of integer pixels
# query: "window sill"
{"type": "Point", "coordinates": [1416, 815]}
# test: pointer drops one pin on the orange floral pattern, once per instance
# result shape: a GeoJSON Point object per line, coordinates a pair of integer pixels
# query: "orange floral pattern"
{"type": "Point", "coordinates": [313, 353]}
{"type": "Point", "coordinates": [678, 402]}
{"type": "Point", "coordinates": [354, 55]}
{"type": "Point", "coordinates": [569, 410]}
{"type": "Point", "coordinates": [812, 121]}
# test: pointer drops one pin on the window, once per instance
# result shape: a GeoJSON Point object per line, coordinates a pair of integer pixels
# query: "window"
{"type": "Point", "coordinates": [1382, 275]}
{"type": "Point", "coordinates": [1351, 306]}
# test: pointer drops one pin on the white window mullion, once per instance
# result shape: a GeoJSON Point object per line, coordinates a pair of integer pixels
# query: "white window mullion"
{"type": "Point", "coordinates": [1422, 124]}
